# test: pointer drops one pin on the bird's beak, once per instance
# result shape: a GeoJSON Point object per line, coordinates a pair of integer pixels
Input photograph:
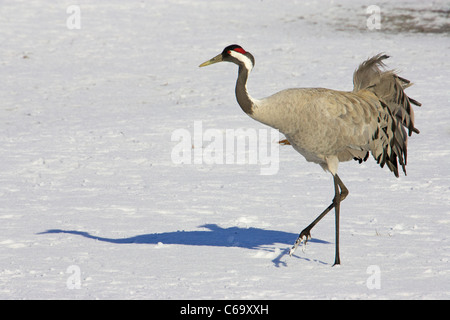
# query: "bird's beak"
{"type": "Point", "coordinates": [216, 59]}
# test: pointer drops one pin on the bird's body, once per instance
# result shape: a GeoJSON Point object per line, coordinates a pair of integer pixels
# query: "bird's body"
{"type": "Point", "coordinates": [327, 126]}
{"type": "Point", "coordinates": [323, 125]}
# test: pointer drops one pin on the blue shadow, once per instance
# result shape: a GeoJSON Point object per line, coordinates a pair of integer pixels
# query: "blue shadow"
{"type": "Point", "coordinates": [215, 236]}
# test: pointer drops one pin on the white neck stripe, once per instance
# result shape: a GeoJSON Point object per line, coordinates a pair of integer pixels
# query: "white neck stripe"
{"type": "Point", "coordinates": [241, 57]}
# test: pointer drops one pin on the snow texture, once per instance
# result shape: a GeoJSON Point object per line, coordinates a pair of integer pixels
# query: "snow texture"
{"type": "Point", "coordinates": [93, 207]}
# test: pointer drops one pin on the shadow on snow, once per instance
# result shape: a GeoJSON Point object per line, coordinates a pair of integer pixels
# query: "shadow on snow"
{"type": "Point", "coordinates": [250, 238]}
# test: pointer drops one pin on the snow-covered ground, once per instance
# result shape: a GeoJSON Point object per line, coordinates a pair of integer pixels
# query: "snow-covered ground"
{"type": "Point", "coordinates": [92, 205]}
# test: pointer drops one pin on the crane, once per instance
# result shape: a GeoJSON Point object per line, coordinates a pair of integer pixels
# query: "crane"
{"type": "Point", "coordinates": [327, 126]}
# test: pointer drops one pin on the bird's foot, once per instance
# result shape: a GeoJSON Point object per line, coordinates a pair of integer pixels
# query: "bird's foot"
{"type": "Point", "coordinates": [284, 142]}
{"type": "Point", "coordinates": [303, 238]}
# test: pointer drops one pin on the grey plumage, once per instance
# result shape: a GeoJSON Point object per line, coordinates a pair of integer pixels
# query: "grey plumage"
{"type": "Point", "coordinates": [328, 126]}
{"type": "Point", "coordinates": [396, 112]}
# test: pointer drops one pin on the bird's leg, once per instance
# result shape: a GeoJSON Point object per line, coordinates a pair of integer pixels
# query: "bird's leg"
{"type": "Point", "coordinates": [338, 197]}
{"type": "Point", "coordinates": [305, 235]}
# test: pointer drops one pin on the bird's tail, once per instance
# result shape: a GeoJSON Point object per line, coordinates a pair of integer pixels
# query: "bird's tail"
{"type": "Point", "coordinates": [396, 114]}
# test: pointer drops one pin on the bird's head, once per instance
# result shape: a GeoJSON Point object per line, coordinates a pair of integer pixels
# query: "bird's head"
{"type": "Point", "coordinates": [233, 53]}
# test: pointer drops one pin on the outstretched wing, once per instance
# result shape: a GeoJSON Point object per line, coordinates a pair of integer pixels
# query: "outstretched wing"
{"type": "Point", "coordinates": [389, 145]}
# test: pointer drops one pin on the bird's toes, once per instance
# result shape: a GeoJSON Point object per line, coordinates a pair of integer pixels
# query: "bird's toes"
{"type": "Point", "coordinates": [303, 238]}
{"type": "Point", "coordinates": [305, 235]}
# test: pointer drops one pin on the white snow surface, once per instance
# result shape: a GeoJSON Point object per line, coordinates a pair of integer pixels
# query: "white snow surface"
{"type": "Point", "coordinates": [93, 207]}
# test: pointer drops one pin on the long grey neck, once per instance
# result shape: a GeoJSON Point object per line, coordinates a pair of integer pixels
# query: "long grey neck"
{"type": "Point", "coordinates": [242, 96]}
